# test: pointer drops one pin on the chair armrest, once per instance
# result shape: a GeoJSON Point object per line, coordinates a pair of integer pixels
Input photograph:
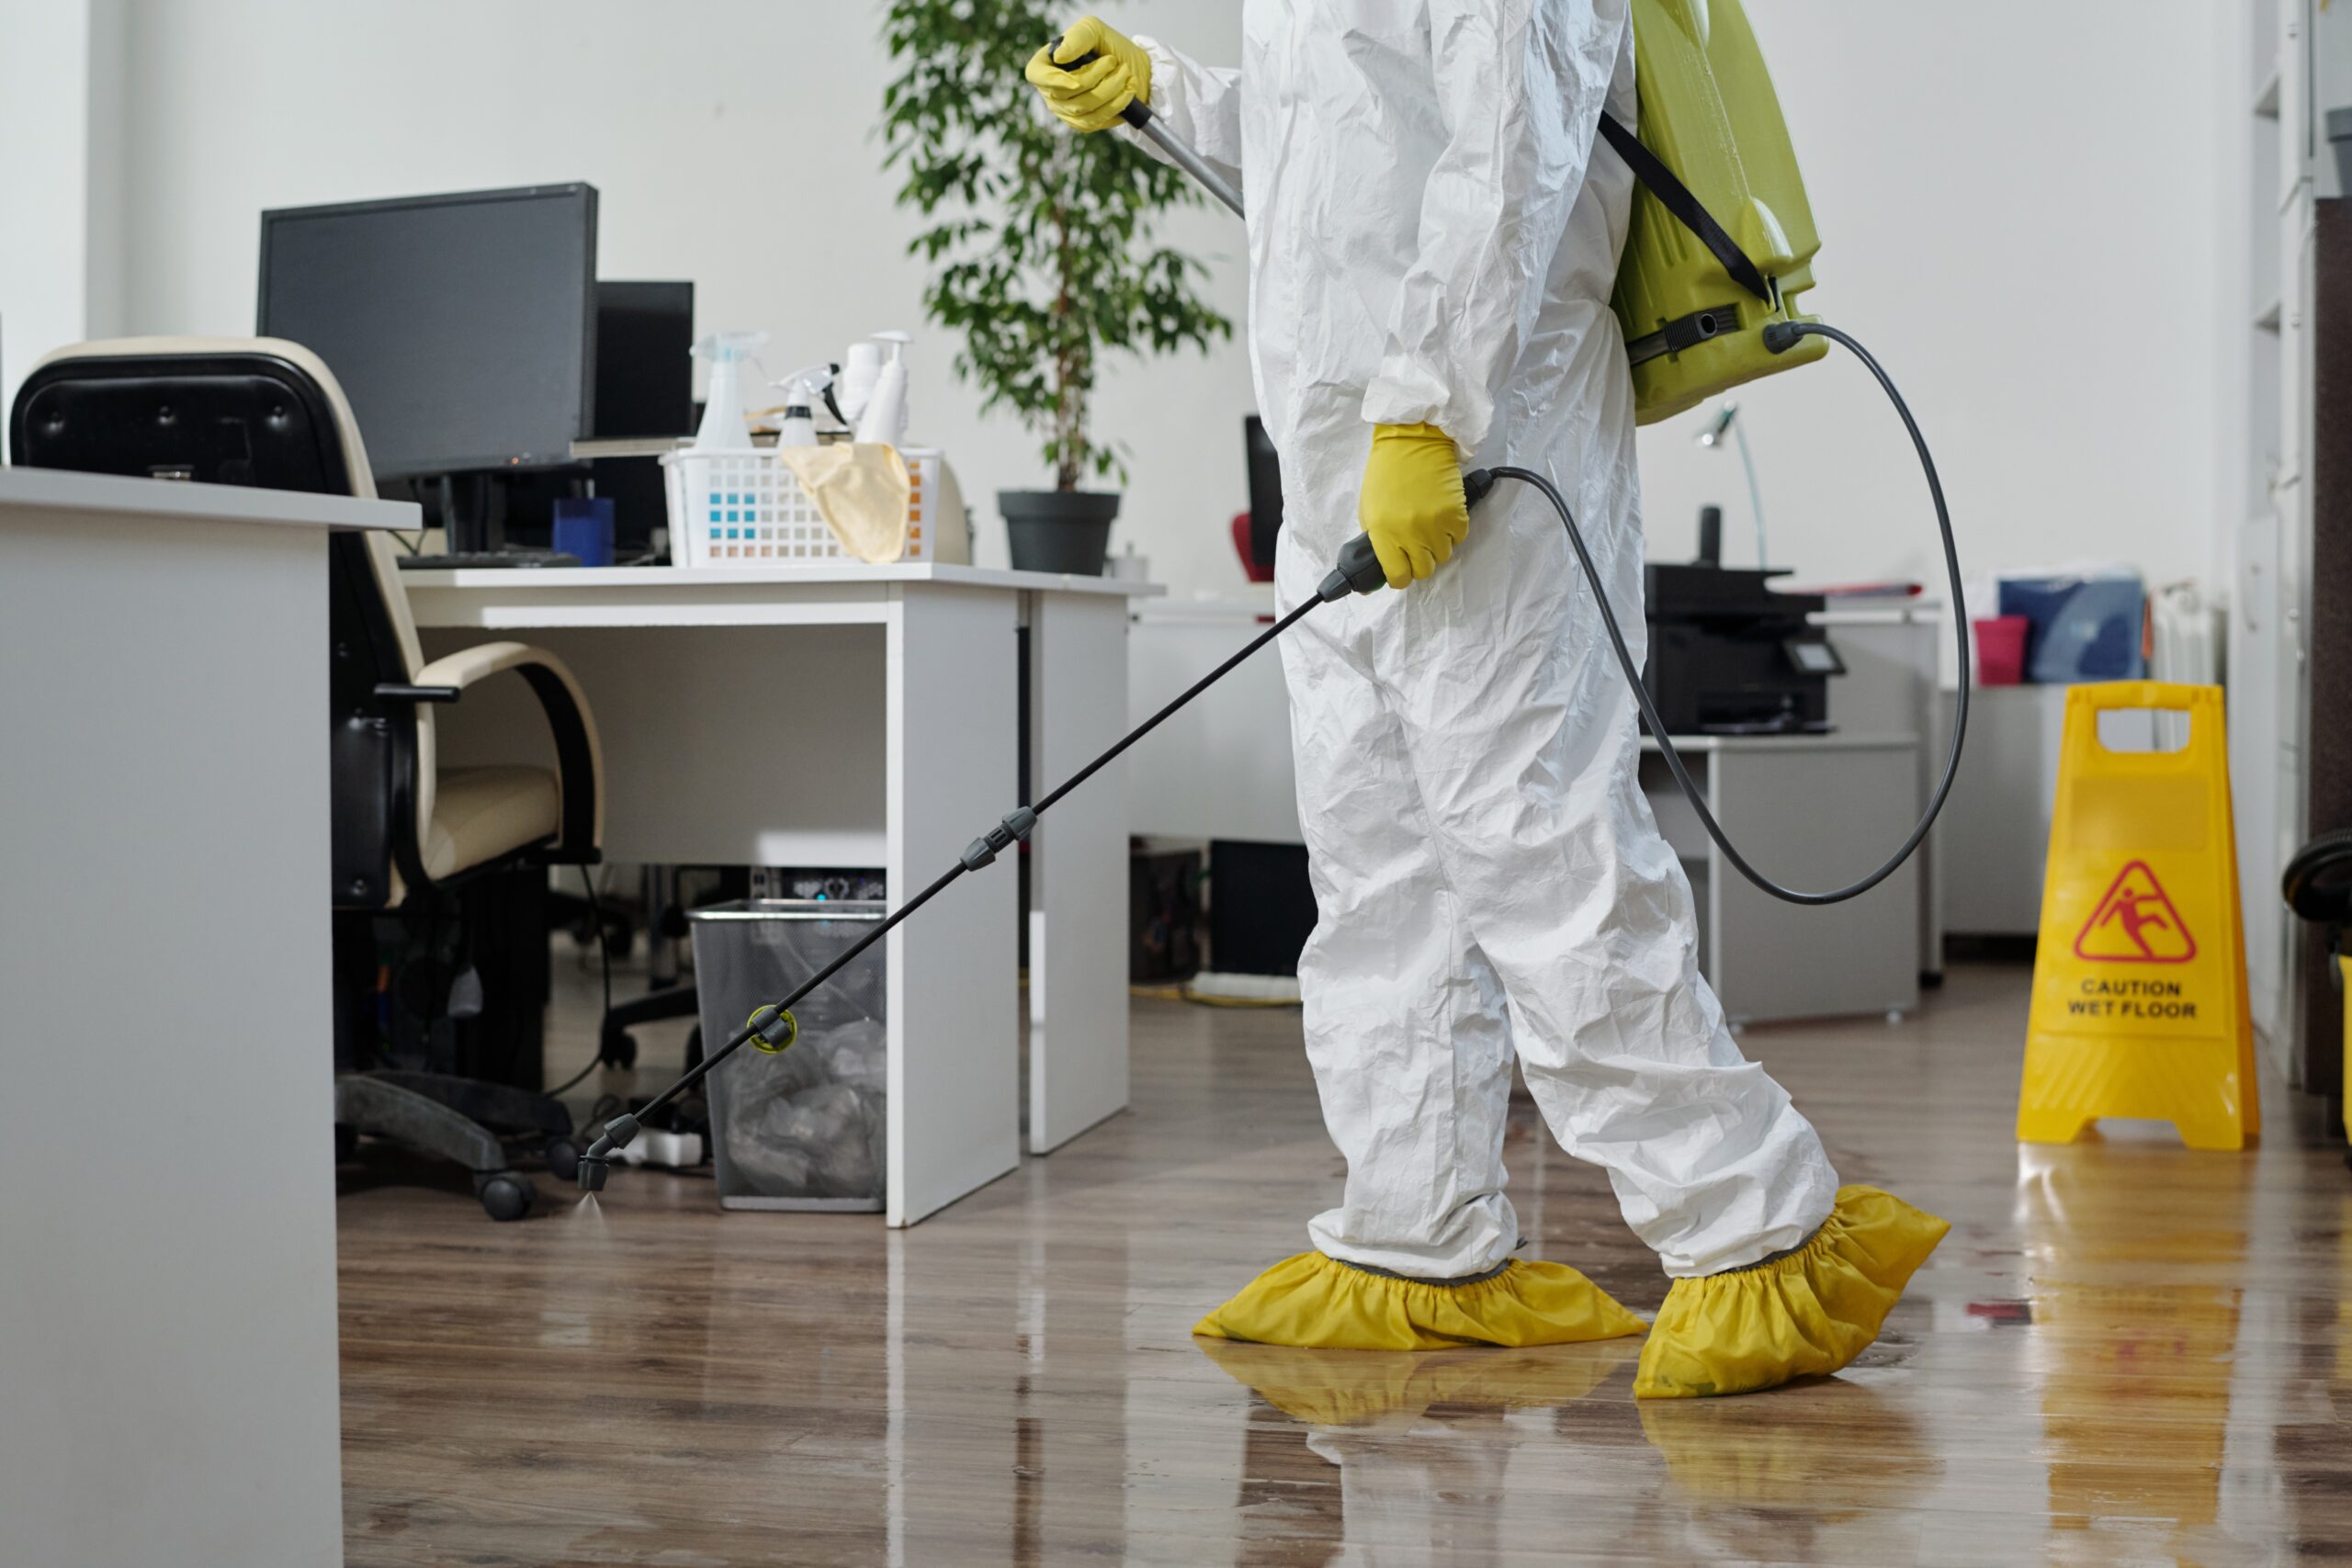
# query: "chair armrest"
{"type": "Point", "coordinates": [579, 759]}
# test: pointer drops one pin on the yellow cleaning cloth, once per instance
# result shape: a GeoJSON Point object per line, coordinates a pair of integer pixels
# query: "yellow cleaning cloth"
{"type": "Point", "coordinates": [861, 492]}
{"type": "Point", "coordinates": [1807, 1314]}
{"type": "Point", "coordinates": [1372, 1388]}
{"type": "Point", "coordinates": [1311, 1300]}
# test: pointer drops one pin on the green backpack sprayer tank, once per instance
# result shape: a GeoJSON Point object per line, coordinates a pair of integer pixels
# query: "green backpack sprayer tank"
{"type": "Point", "coordinates": [1694, 318]}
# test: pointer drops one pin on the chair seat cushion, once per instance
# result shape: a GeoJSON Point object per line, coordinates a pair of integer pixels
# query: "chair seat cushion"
{"type": "Point", "coordinates": [479, 814]}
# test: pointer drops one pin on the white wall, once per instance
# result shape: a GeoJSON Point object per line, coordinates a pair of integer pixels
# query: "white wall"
{"type": "Point", "coordinates": [2024, 211]}
{"type": "Point", "coordinates": [60, 178]}
{"type": "Point", "coordinates": [733, 143]}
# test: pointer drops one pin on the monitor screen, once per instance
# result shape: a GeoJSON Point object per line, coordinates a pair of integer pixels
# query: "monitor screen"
{"type": "Point", "coordinates": [1265, 492]}
{"type": "Point", "coordinates": [645, 338]}
{"type": "Point", "coordinates": [462, 328]}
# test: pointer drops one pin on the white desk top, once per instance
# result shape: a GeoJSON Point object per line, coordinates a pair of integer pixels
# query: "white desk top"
{"type": "Point", "coordinates": [57, 490]}
{"type": "Point", "coordinates": [1879, 612]}
{"type": "Point", "coordinates": [521, 598]}
{"type": "Point", "coordinates": [1836, 740]}
{"type": "Point", "coordinates": [510, 579]}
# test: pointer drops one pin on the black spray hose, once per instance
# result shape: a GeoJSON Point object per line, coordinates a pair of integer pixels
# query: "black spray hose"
{"type": "Point", "coordinates": [773, 1027]}
{"type": "Point", "coordinates": [1358, 571]}
{"type": "Point", "coordinates": [1780, 338]}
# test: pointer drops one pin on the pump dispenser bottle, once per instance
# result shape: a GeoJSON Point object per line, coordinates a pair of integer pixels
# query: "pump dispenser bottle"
{"type": "Point", "coordinates": [884, 421]}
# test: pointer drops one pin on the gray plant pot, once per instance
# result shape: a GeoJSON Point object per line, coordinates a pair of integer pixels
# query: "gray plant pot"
{"type": "Point", "coordinates": [1059, 530]}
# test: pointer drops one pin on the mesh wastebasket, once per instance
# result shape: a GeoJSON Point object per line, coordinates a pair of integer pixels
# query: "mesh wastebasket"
{"type": "Point", "coordinates": [803, 1129]}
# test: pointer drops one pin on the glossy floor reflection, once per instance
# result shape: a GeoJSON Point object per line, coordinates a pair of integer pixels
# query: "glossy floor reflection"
{"type": "Point", "coordinates": [2124, 1353]}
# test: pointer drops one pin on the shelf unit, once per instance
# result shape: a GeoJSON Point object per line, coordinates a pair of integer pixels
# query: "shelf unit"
{"type": "Point", "coordinates": [2287, 779]}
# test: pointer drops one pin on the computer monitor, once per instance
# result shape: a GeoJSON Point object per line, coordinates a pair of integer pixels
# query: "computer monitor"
{"type": "Point", "coordinates": [645, 335]}
{"type": "Point", "coordinates": [1265, 493]}
{"type": "Point", "coordinates": [462, 328]}
{"type": "Point", "coordinates": [645, 339]}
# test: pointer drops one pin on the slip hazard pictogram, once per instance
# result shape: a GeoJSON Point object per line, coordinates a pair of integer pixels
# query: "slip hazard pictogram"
{"type": "Point", "coordinates": [2135, 923]}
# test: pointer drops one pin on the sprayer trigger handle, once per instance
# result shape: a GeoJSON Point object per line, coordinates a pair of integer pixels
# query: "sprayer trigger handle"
{"type": "Point", "coordinates": [1357, 570]}
{"type": "Point", "coordinates": [1137, 113]}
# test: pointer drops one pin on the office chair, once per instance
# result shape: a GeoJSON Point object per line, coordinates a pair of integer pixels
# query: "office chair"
{"type": "Point", "coordinates": [407, 832]}
{"type": "Point", "coordinates": [670, 996]}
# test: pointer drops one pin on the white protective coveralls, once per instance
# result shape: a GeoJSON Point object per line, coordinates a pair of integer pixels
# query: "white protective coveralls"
{"type": "Point", "coordinates": [1433, 234]}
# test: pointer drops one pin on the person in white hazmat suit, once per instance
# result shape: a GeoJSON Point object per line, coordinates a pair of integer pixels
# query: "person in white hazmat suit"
{"type": "Point", "coordinates": [1433, 234]}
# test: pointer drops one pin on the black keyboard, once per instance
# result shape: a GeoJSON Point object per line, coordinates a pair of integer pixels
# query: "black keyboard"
{"type": "Point", "coordinates": [451, 560]}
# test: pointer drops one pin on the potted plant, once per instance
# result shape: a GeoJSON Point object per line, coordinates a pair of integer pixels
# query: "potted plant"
{"type": "Point", "coordinates": [1041, 248]}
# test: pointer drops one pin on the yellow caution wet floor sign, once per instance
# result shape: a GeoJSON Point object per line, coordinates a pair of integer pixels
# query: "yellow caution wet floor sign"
{"type": "Point", "coordinates": [2139, 979]}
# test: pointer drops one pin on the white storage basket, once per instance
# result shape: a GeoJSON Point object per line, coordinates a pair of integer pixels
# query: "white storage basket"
{"type": "Point", "coordinates": [745, 508]}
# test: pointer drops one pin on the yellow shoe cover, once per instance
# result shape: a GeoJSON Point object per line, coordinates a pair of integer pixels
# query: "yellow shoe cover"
{"type": "Point", "coordinates": [1806, 1314]}
{"type": "Point", "coordinates": [1319, 1301]}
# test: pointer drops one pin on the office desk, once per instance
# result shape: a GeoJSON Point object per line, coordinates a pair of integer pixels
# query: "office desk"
{"type": "Point", "coordinates": [1810, 811]}
{"type": "Point", "coordinates": [867, 717]}
{"type": "Point", "coordinates": [1227, 773]}
{"type": "Point", "coordinates": [1894, 650]}
{"type": "Point", "coordinates": [167, 1301]}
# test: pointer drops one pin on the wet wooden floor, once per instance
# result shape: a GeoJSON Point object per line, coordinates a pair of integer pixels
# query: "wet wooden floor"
{"type": "Point", "coordinates": [2124, 1353]}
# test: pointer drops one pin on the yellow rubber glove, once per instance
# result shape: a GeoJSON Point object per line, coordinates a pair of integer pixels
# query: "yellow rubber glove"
{"type": "Point", "coordinates": [1091, 97]}
{"type": "Point", "coordinates": [1412, 502]}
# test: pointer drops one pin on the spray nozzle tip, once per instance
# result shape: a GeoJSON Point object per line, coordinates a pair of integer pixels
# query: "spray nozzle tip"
{"type": "Point", "coordinates": [729, 346]}
{"type": "Point", "coordinates": [597, 1162]}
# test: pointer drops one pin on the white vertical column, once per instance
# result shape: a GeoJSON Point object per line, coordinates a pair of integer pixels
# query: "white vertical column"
{"type": "Point", "coordinates": [62, 185]}
{"type": "Point", "coordinates": [1077, 867]}
{"type": "Point", "coordinates": [954, 1067]}
{"type": "Point", "coordinates": [167, 1306]}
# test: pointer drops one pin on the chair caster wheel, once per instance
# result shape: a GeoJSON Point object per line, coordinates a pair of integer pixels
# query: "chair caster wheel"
{"type": "Point", "coordinates": [505, 1195]}
{"type": "Point", "coordinates": [617, 1048]}
{"type": "Point", "coordinates": [562, 1157]}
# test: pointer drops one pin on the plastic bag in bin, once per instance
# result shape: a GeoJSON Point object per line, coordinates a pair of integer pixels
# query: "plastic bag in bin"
{"type": "Point", "coordinates": [806, 1127]}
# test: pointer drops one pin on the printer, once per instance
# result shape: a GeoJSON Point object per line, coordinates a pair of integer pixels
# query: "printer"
{"type": "Point", "coordinates": [1729, 655]}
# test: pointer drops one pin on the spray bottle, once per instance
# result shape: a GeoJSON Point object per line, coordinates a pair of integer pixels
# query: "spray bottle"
{"type": "Point", "coordinates": [883, 419]}
{"type": "Point", "coordinates": [723, 426]}
{"type": "Point", "coordinates": [804, 390]}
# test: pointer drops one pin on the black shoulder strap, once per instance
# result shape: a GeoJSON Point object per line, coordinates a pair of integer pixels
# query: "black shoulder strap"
{"type": "Point", "coordinates": [1676, 198]}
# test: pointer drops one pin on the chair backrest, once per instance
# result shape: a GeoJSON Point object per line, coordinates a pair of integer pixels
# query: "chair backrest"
{"type": "Point", "coordinates": [266, 413]}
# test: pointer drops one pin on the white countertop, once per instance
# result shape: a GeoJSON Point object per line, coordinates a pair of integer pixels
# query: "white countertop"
{"type": "Point", "coordinates": [59, 489]}
{"type": "Point", "coordinates": [1880, 611]}
{"type": "Point", "coordinates": [561, 579]}
{"type": "Point", "coordinates": [1834, 740]}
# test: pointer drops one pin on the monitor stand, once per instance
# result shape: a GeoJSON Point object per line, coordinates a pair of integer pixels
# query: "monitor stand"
{"type": "Point", "coordinates": [473, 511]}
{"type": "Point", "coordinates": [492, 515]}
{"type": "Point", "coordinates": [484, 510]}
